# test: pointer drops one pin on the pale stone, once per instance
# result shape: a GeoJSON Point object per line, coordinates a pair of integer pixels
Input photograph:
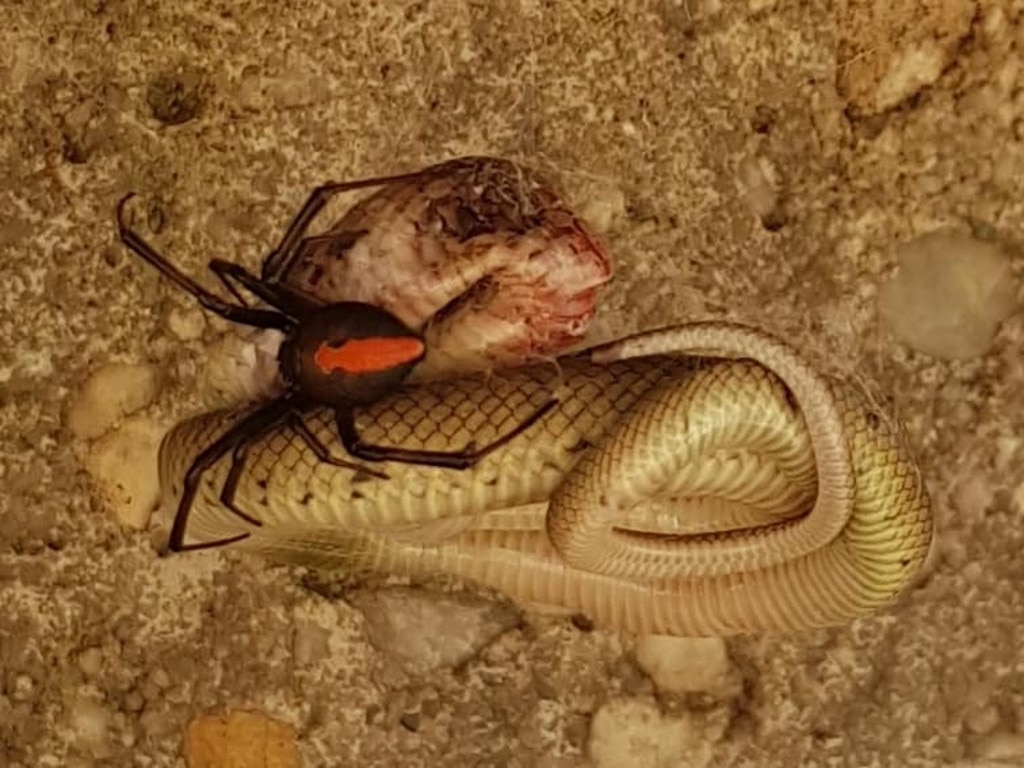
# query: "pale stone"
{"type": "Point", "coordinates": [1001, 745]}
{"type": "Point", "coordinates": [983, 720]}
{"type": "Point", "coordinates": [758, 181]}
{"type": "Point", "coordinates": [889, 50]}
{"type": "Point", "coordinates": [112, 392]}
{"type": "Point", "coordinates": [124, 465]}
{"type": "Point", "coordinates": [90, 721]}
{"type": "Point", "coordinates": [90, 661]}
{"type": "Point", "coordinates": [688, 665]}
{"type": "Point", "coordinates": [24, 687]}
{"type": "Point", "coordinates": [297, 88]}
{"type": "Point", "coordinates": [1007, 448]}
{"type": "Point", "coordinates": [310, 644]}
{"type": "Point", "coordinates": [605, 207]}
{"type": "Point", "coordinates": [186, 324]}
{"type": "Point", "coordinates": [424, 631]}
{"type": "Point", "coordinates": [632, 732]}
{"type": "Point", "coordinates": [972, 495]}
{"type": "Point", "coordinates": [909, 71]}
{"type": "Point", "coordinates": [950, 295]}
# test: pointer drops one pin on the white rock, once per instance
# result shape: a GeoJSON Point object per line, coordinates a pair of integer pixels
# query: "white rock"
{"type": "Point", "coordinates": [982, 720]}
{"type": "Point", "coordinates": [423, 631]}
{"type": "Point", "coordinates": [186, 324]}
{"type": "Point", "coordinates": [1001, 745]}
{"type": "Point", "coordinates": [972, 495]}
{"type": "Point", "coordinates": [24, 687]}
{"type": "Point", "coordinates": [950, 295]}
{"type": "Point", "coordinates": [90, 661]}
{"type": "Point", "coordinates": [310, 644]}
{"type": "Point", "coordinates": [688, 665]}
{"type": "Point", "coordinates": [892, 49]}
{"type": "Point", "coordinates": [124, 465]}
{"type": "Point", "coordinates": [297, 88]}
{"type": "Point", "coordinates": [111, 393]}
{"type": "Point", "coordinates": [911, 70]}
{"type": "Point", "coordinates": [606, 205]}
{"type": "Point", "coordinates": [759, 182]}
{"type": "Point", "coordinates": [626, 733]}
{"type": "Point", "coordinates": [1007, 447]}
{"type": "Point", "coordinates": [90, 721]}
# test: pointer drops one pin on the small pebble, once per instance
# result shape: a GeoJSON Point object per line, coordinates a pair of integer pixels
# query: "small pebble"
{"type": "Point", "coordinates": [411, 721]}
{"type": "Point", "coordinates": [154, 724]}
{"type": "Point", "coordinates": [1001, 745]}
{"type": "Point", "coordinates": [24, 687]}
{"type": "Point", "coordinates": [186, 324]}
{"type": "Point", "coordinates": [112, 392]}
{"type": "Point", "coordinates": [758, 180]}
{"type": "Point", "coordinates": [606, 206]}
{"type": "Point", "coordinates": [1007, 449]}
{"type": "Point", "coordinates": [240, 740]}
{"type": "Point", "coordinates": [90, 720]}
{"type": "Point", "coordinates": [133, 701]}
{"type": "Point", "coordinates": [918, 67]}
{"type": "Point", "coordinates": [982, 720]}
{"type": "Point", "coordinates": [626, 733]}
{"type": "Point", "coordinates": [881, 69]}
{"type": "Point", "coordinates": [688, 665]}
{"type": "Point", "coordinates": [124, 465]}
{"type": "Point", "coordinates": [160, 678]}
{"type": "Point", "coordinates": [950, 295]}
{"type": "Point", "coordinates": [297, 89]}
{"type": "Point", "coordinates": [424, 631]}
{"type": "Point", "coordinates": [90, 661]}
{"type": "Point", "coordinates": [310, 644]}
{"type": "Point", "coordinates": [972, 495]}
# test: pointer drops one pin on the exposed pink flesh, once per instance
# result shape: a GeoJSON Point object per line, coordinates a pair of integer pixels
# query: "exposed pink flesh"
{"type": "Point", "coordinates": [511, 296]}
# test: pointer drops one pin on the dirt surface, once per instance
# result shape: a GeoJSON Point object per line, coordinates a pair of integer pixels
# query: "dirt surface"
{"type": "Point", "coordinates": [760, 160]}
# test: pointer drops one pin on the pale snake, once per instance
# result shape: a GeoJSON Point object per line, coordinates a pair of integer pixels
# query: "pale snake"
{"type": "Point", "coordinates": [680, 487]}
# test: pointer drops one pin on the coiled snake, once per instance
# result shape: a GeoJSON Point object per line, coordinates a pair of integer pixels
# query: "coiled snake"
{"type": "Point", "coordinates": [696, 480]}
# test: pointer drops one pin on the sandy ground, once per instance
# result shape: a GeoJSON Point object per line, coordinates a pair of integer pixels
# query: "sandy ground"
{"type": "Point", "coordinates": [767, 159]}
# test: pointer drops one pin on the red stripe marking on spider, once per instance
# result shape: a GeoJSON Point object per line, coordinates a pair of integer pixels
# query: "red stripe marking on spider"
{"type": "Point", "coordinates": [370, 355]}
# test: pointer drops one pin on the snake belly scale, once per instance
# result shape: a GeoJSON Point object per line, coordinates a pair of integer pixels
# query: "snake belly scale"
{"type": "Point", "coordinates": [697, 480]}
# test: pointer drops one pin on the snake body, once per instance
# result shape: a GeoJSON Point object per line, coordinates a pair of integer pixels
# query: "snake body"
{"type": "Point", "coordinates": [698, 480]}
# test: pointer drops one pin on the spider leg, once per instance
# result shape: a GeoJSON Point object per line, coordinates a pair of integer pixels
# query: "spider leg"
{"type": "Point", "coordinates": [227, 492]}
{"type": "Point", "coordinates": [241, 453]}
{"type": "Point", "coordinates": [258, 318]}
{"type": "Point", "coordinates": [323, 453]}
{"type": "Point", "coordinates": [283, 298]}
{"type": "Point", "coordinates": [227, 282]}
{"type": "Point", "coordinates": [236, 440]}
{"type": "Point", "coordinates": [461, 459]}
{"type": "Point", "coordinates": [281, 258]}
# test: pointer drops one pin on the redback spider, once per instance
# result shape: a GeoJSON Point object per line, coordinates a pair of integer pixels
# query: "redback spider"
{"type": "Point", "coordinates": [341, 355]}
